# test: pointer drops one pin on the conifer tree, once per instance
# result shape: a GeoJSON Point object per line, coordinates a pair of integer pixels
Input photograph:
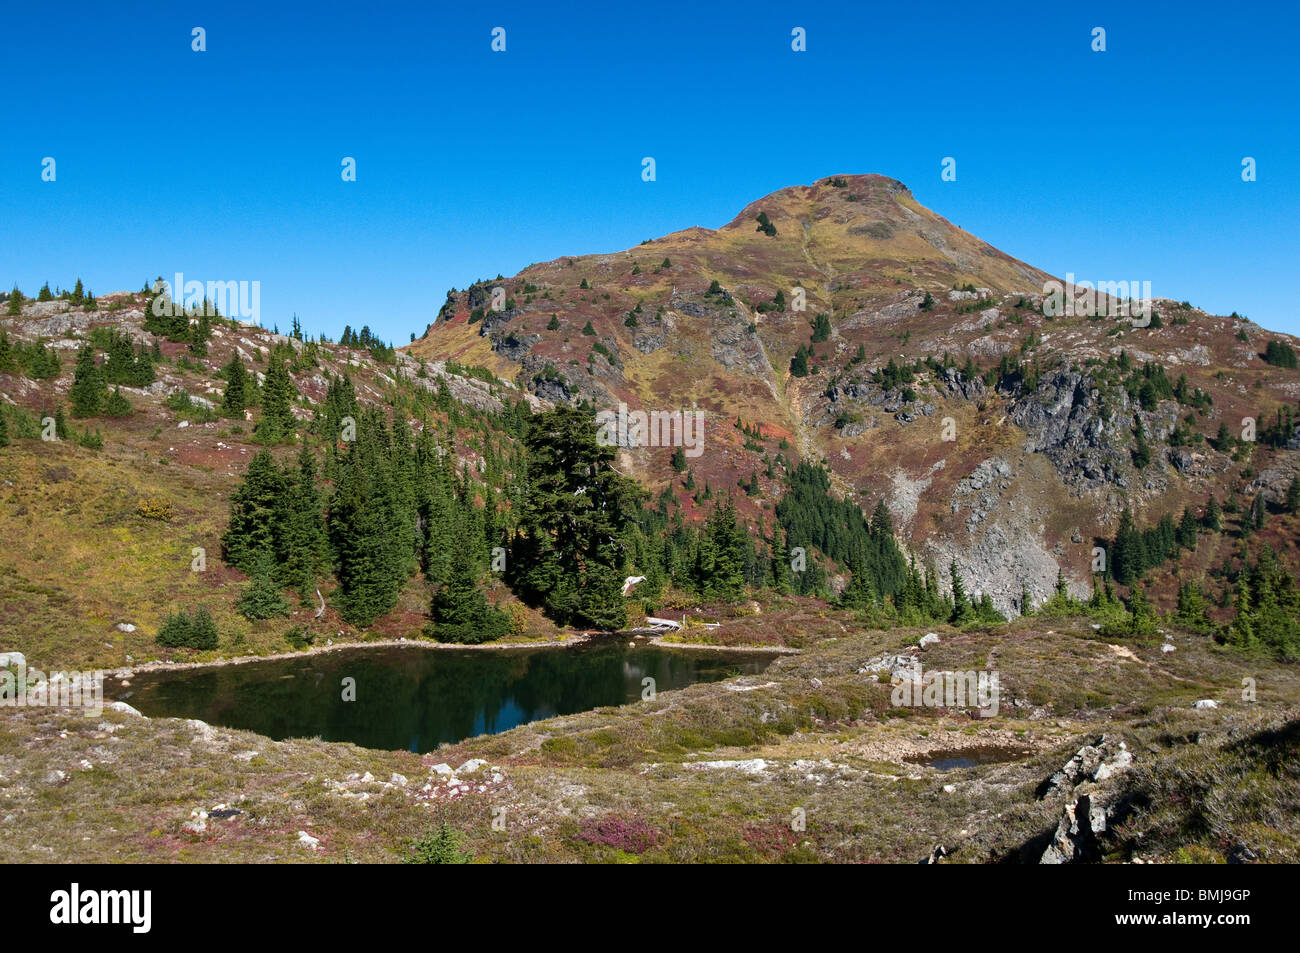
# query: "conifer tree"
{"type": "Point", "coordinates": [116, 405]}
{"type": "Point", "coordinates": [601, 604]}
{"type": "Point", "coordinates": [780, 561]}
{"type": "Point", "coordinates": [1241, 634]}
{"type": "Point", "coordinates": [1258, 512]}
{"type": "Point", "coordinates": [88, 392]}
{"type": "Point", "coordinates": [256, 515]}
{"type": "Point", "coordinates": [1212, 520]}
{"type": "Point", "coordinates": [364, 534]}
{"type": "Point", "coordinates": [1187, 530]}
{"type": "Point", "coordinates": [1192, 610]}
{"type": "Point", "coordinates": [201, 332]}
{"type": "Point", "coordinates": [1142, 616]}
{"type": "Point", "coordinates": [1127, 556]}
{"type": "Point", "coordinates": [721, 566]}
{"type": "Point", "coordinates": [233, 400]}
{"type": "Point", "coordinates": [437, 513]}
{"type": "Point", "coordinates": [277, 421]}
{"type": "Point", "coordinates": [799, 363]}
{"type": "Point", "coordinates": [459, 610]}
{"type": "Point", "coordinates": [962, 611]}
{"type": "Point", "coordinates": [261, 598]}
{"type": "Point", "coordinates": [573, 516]}
{"type": "Point", "coordinates": [857, 594]}
{"type": "Point", "coordinates": [304, 550]}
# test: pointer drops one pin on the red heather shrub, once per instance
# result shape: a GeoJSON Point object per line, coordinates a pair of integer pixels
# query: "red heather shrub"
{"type": "Point", "coordinates": [632, 835]}
{"type": "Point", "coordinates": [772, 838]}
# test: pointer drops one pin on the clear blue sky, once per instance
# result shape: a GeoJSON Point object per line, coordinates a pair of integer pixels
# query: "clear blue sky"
{"type": "Point", "coordinates": [225, 164]}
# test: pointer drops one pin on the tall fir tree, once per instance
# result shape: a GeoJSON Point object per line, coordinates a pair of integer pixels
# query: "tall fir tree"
{"type": "Point", "coordinates": [574, 514]}
{"type": "Point", "coordinates": [304, 552]}
{"type": "Point", "coordinates": [364, 535]}
{"type": "Point", "coordinates": [277, 421]}
{"type": "Point", "coordinates": [88, 391]}
{"type": "Point", "coordinates": [257, 509]}
{"type": "Point", "coordinates": [962, 610]}
{"type": "Point", "coordinates": [236, 395]}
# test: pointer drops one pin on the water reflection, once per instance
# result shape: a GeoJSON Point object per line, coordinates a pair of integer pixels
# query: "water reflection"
{"type": "Point", "coordinates": [417, 698]}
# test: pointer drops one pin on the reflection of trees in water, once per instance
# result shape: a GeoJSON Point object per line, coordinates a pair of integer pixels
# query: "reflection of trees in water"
{"type": "Point", "coordinates": [416, 698]}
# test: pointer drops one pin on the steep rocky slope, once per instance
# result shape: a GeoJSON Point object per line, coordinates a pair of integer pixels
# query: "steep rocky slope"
{"type": "Point", "coordinates": [1013, 474]}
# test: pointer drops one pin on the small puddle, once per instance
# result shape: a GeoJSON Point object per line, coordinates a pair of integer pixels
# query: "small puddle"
{"type": "Point", "coordinates": [948, 759]}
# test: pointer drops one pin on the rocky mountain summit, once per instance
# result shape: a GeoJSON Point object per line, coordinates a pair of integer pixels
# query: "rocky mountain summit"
{"type": "Point", "coordinates": [925, 367]}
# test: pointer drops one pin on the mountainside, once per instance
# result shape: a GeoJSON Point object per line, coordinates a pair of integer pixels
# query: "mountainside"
{"type": "Point", "coordinates": [177, 487]}
{"type": "Point", "coordinates": [838, 324]}
{"type": "Point", "coordinates": [1039, 412]}
{"type": "Point", "coordinates": [119, 522]}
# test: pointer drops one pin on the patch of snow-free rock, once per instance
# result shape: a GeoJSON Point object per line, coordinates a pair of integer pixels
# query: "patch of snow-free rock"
{"type": "Point", "coordinates": [748, 766]}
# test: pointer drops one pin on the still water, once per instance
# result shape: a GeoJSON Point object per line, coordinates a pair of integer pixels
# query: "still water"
{"type": "Point", "coordinates": [418, 698]}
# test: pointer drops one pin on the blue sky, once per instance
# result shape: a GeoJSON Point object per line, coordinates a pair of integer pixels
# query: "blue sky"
{"type": "Point", "coordinates": [225, 164]}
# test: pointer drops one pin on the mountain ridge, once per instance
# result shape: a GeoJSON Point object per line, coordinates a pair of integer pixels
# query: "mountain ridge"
{"type": "Point", "coordinates": [866, 254]}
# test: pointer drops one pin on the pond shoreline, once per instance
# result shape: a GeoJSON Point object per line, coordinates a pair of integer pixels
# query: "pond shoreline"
{"type": "Point", "coordinates": [580, 638]}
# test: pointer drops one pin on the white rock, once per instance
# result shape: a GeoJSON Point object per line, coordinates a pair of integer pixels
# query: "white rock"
{"type": "Point", "coordinates": [443, 769]}
{"type": "Point", "coordinates": [306, 840]}
{"type": "Point", "coordinates": [398, 780]}
{"type": "Point", "coordinates": [182, 425]}
{"type": "Point", "coordinates": [1123, 758]}
{"type": "Point", "coordinates": [201, 729]}
{"type": "Point", "coordinates": [929, 639]}
{"type": "Point", "coordinates": [749, 766]}
{"type": "Point", "coordinates": [1206, 703]}
{"type": "Point", "coordinates": [12, 658]}
{"type": "Point", "coordinates": [469, 767]}
{"type": "Point", "coordinates": [1167, 648]}
{"type": "Point", "coordinates": [124, 708]}
{"type": "Point", "coordinates": [125, 627]}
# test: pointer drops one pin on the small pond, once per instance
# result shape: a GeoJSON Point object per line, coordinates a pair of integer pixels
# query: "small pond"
{"type": "Point", "coordinates": [418, 698]}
